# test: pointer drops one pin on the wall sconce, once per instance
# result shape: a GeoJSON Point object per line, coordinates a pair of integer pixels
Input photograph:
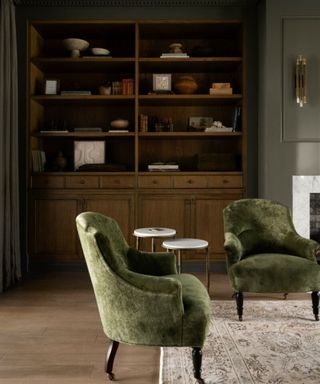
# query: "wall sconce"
{"type": "Point", "coordinates": [300, 80]}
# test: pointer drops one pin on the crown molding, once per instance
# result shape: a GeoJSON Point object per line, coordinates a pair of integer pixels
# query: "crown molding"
{"type": "Point", "coordinates": [134, 3]}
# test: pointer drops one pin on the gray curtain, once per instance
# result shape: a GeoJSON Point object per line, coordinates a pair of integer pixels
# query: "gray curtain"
{"type": "Point", "coordinates": [10, 263]}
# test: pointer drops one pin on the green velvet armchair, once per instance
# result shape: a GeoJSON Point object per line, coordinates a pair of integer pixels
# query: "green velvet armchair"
{"type": "Point", "coordinates": [265, 254]}
{"type": "Point", "coordinates": [141, 298]}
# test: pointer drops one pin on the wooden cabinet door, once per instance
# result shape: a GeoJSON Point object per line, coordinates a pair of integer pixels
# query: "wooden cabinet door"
{"type": "Point", "coordinates": [53, 233]}
{"type": "Point", "coordinates": [209, 222]}
{"type": "Point", "coordinates": [170, 211]}
{"type": "Point", "coordinates": [120, 207]}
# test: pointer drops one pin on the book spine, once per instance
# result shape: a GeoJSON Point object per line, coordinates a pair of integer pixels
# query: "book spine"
{"type": "Point", "coordinates": [236, 119]}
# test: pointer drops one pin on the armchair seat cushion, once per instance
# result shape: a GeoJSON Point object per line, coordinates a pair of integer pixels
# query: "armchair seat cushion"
{"type": "Point", "coordinates": [197, 311]}
{"type": "Point", "coordinates": [274, 272]}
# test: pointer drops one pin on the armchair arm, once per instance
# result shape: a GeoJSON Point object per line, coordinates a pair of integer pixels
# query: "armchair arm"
{"type": "Point", "coordinates": [143, 309]}
{"type": "Point", "coordinates": [158, 285]}
{"type": "Point", "coordinates": [233, 247]}
{"type": "Point", "coordinates": [151, 263]}
{"type": "Point", "coordinates": [300, 246]}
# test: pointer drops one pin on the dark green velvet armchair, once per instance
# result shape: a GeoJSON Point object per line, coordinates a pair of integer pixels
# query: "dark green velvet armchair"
{"type": "Point", "coordinates": [141, 298]}
{"type": "Point", "coordinates": [265, 253]}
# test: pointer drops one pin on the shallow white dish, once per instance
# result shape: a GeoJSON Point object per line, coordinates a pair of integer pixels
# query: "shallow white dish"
{"type": "Point", "coordinates": [100, 51]}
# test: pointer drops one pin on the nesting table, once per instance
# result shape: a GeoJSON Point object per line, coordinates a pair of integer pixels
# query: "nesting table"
{"type": "Point", "coordinates": [153, 232]}
{"type": "Point", "coordinates": [183, 244]}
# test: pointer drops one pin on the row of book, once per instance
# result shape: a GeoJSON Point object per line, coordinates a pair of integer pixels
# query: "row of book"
{"type": "Point", "coordinates": [127, 87]}
{"type": "Point", "coordinates": [123, 87]}
{"type": "Point", "coordinates": [149, 123]}
{"type": "Point", "coordinates": [38, 160]}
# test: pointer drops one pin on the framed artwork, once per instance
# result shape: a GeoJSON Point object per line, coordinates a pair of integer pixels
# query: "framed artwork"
{"type": "Point", "coordinates": [161, 82]}
{"type": "Point", "coordinates": [88, 152]}
{"type": "Point", "coordinates": [51, 87]}
{"type": "Point", "coordinates": [200, 123]}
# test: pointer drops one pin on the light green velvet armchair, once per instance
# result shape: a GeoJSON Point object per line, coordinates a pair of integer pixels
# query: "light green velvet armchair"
{"type": "Point", "coordinates": [141, 298]}
{"type": "Point", "coordinates": [265, 253]}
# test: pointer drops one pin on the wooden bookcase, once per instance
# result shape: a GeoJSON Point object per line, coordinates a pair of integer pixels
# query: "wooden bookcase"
{"type": "Point", "coordinates": [190, 200]}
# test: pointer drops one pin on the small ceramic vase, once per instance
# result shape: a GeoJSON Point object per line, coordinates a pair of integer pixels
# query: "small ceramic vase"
{"type": "Point", "coordinates": [60, 162]}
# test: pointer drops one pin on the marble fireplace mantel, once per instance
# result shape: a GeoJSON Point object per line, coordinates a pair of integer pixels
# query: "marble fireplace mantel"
{"type": "Point", "coordinates": [302, 186]}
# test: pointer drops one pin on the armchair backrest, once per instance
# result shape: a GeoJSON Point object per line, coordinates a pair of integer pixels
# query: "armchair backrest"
{"type": "Point", "coordinates": [105, 251]}
{"type": "Point", "coordinates": [103, 231]}
{"type": "Point", "coordinates": [260, 225]}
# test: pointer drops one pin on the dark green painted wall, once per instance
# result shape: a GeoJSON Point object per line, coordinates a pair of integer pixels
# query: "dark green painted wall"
{"type": "Point", "coordinates": [283, 148]}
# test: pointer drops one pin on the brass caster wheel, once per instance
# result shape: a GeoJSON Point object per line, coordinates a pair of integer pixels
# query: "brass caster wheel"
{"type": "Point", "coordinates": [111, 376]}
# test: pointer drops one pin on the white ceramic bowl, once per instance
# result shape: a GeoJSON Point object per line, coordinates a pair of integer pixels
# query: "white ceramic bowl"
{"type": "Point", "coordinates": [75, 46]}
{"type": "Point", "coordinates": [100, 51]}
{"type": "Point", "coordinates": [119, 124]}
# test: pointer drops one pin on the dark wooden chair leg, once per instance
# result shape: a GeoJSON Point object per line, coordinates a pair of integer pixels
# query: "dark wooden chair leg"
{"type": "Point", "coordinates": [315, 304]}
{"type": "Point", "coordinates": [239, 300]}
{"type": "Point", "coordinates": [111, 353]}
{"type": "Point", "coordinates": [197, 362]}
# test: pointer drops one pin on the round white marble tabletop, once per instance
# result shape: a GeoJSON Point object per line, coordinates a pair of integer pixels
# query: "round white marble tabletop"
{"type": "Point", "coordinates": [181, 244]}
{"type": "Point", "coordinates": [154, 232]}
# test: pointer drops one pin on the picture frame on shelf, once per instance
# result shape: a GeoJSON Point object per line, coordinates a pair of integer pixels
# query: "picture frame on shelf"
{"type": "Point", "coordinates": [51, 86]}
{"type": "Point", "coordinates": [200, 123]}
{"type": "Point", "coordinates": [161, 82]}
{"type": "Point", "coordinates": [89, 152]}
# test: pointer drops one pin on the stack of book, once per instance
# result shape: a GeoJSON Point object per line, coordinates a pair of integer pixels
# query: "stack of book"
{"type": "Point", "coordinates": [173, 55]}
{"type": "Point", "coordinates": [76, 93]}
{"type": "Point", "coordinates": [218, 129]}
{"type": "Point", "coordinates": [220, 89]}
{"type": "Point", "coordinates": [163, 167]}
{"type": "Point", "coordinates": [87, 129]}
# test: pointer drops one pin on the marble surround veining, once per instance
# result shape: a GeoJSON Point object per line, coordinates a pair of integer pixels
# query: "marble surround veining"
{"type": "Point", "coordinates": [302, 186]}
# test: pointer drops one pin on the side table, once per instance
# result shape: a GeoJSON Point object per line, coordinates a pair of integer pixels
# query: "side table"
{"type": "Point", "coordinates": [180, 245]}
{"type": "Point", "coordinates": [152, 232]}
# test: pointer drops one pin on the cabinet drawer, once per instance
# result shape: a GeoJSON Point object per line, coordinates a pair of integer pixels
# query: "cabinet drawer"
{"type": "Point", "coordinates": [190, 182]}
{"type": "Point", "coordinates": [47, 181]}
{"type": "Point", "coordinates": [82, 181]}
{"type": "Point", "coordinates": [117, 181]}
{"type": "Point", "coordinates": [225, 181]}
{"type": "Point", "coordinates": [155, 181]}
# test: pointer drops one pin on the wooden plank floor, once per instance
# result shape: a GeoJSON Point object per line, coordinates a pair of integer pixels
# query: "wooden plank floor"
{"type": "Point", "coordinates": [50, 333]}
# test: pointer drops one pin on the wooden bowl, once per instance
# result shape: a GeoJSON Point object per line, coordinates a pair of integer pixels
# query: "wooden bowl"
{"type": "Point", "coordinates": [119, 124]}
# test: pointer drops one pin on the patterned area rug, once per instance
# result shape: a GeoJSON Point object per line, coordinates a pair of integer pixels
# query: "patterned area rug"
{"type": "Point", "coordinates": [277, 343]}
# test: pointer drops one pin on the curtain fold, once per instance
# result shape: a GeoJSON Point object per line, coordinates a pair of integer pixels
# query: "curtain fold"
{"type": "Point", "coordinates": [10, 258]}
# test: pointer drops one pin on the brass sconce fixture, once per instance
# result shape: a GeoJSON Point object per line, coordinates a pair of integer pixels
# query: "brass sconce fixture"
{"type": "Point", "coordinates": [300, 80]}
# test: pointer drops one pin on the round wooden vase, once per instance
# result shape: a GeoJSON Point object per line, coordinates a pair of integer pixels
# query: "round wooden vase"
{"type": "Point", "coordinates": [186, 85]}
{"type": "Point", "coordinates": [60, 162]}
